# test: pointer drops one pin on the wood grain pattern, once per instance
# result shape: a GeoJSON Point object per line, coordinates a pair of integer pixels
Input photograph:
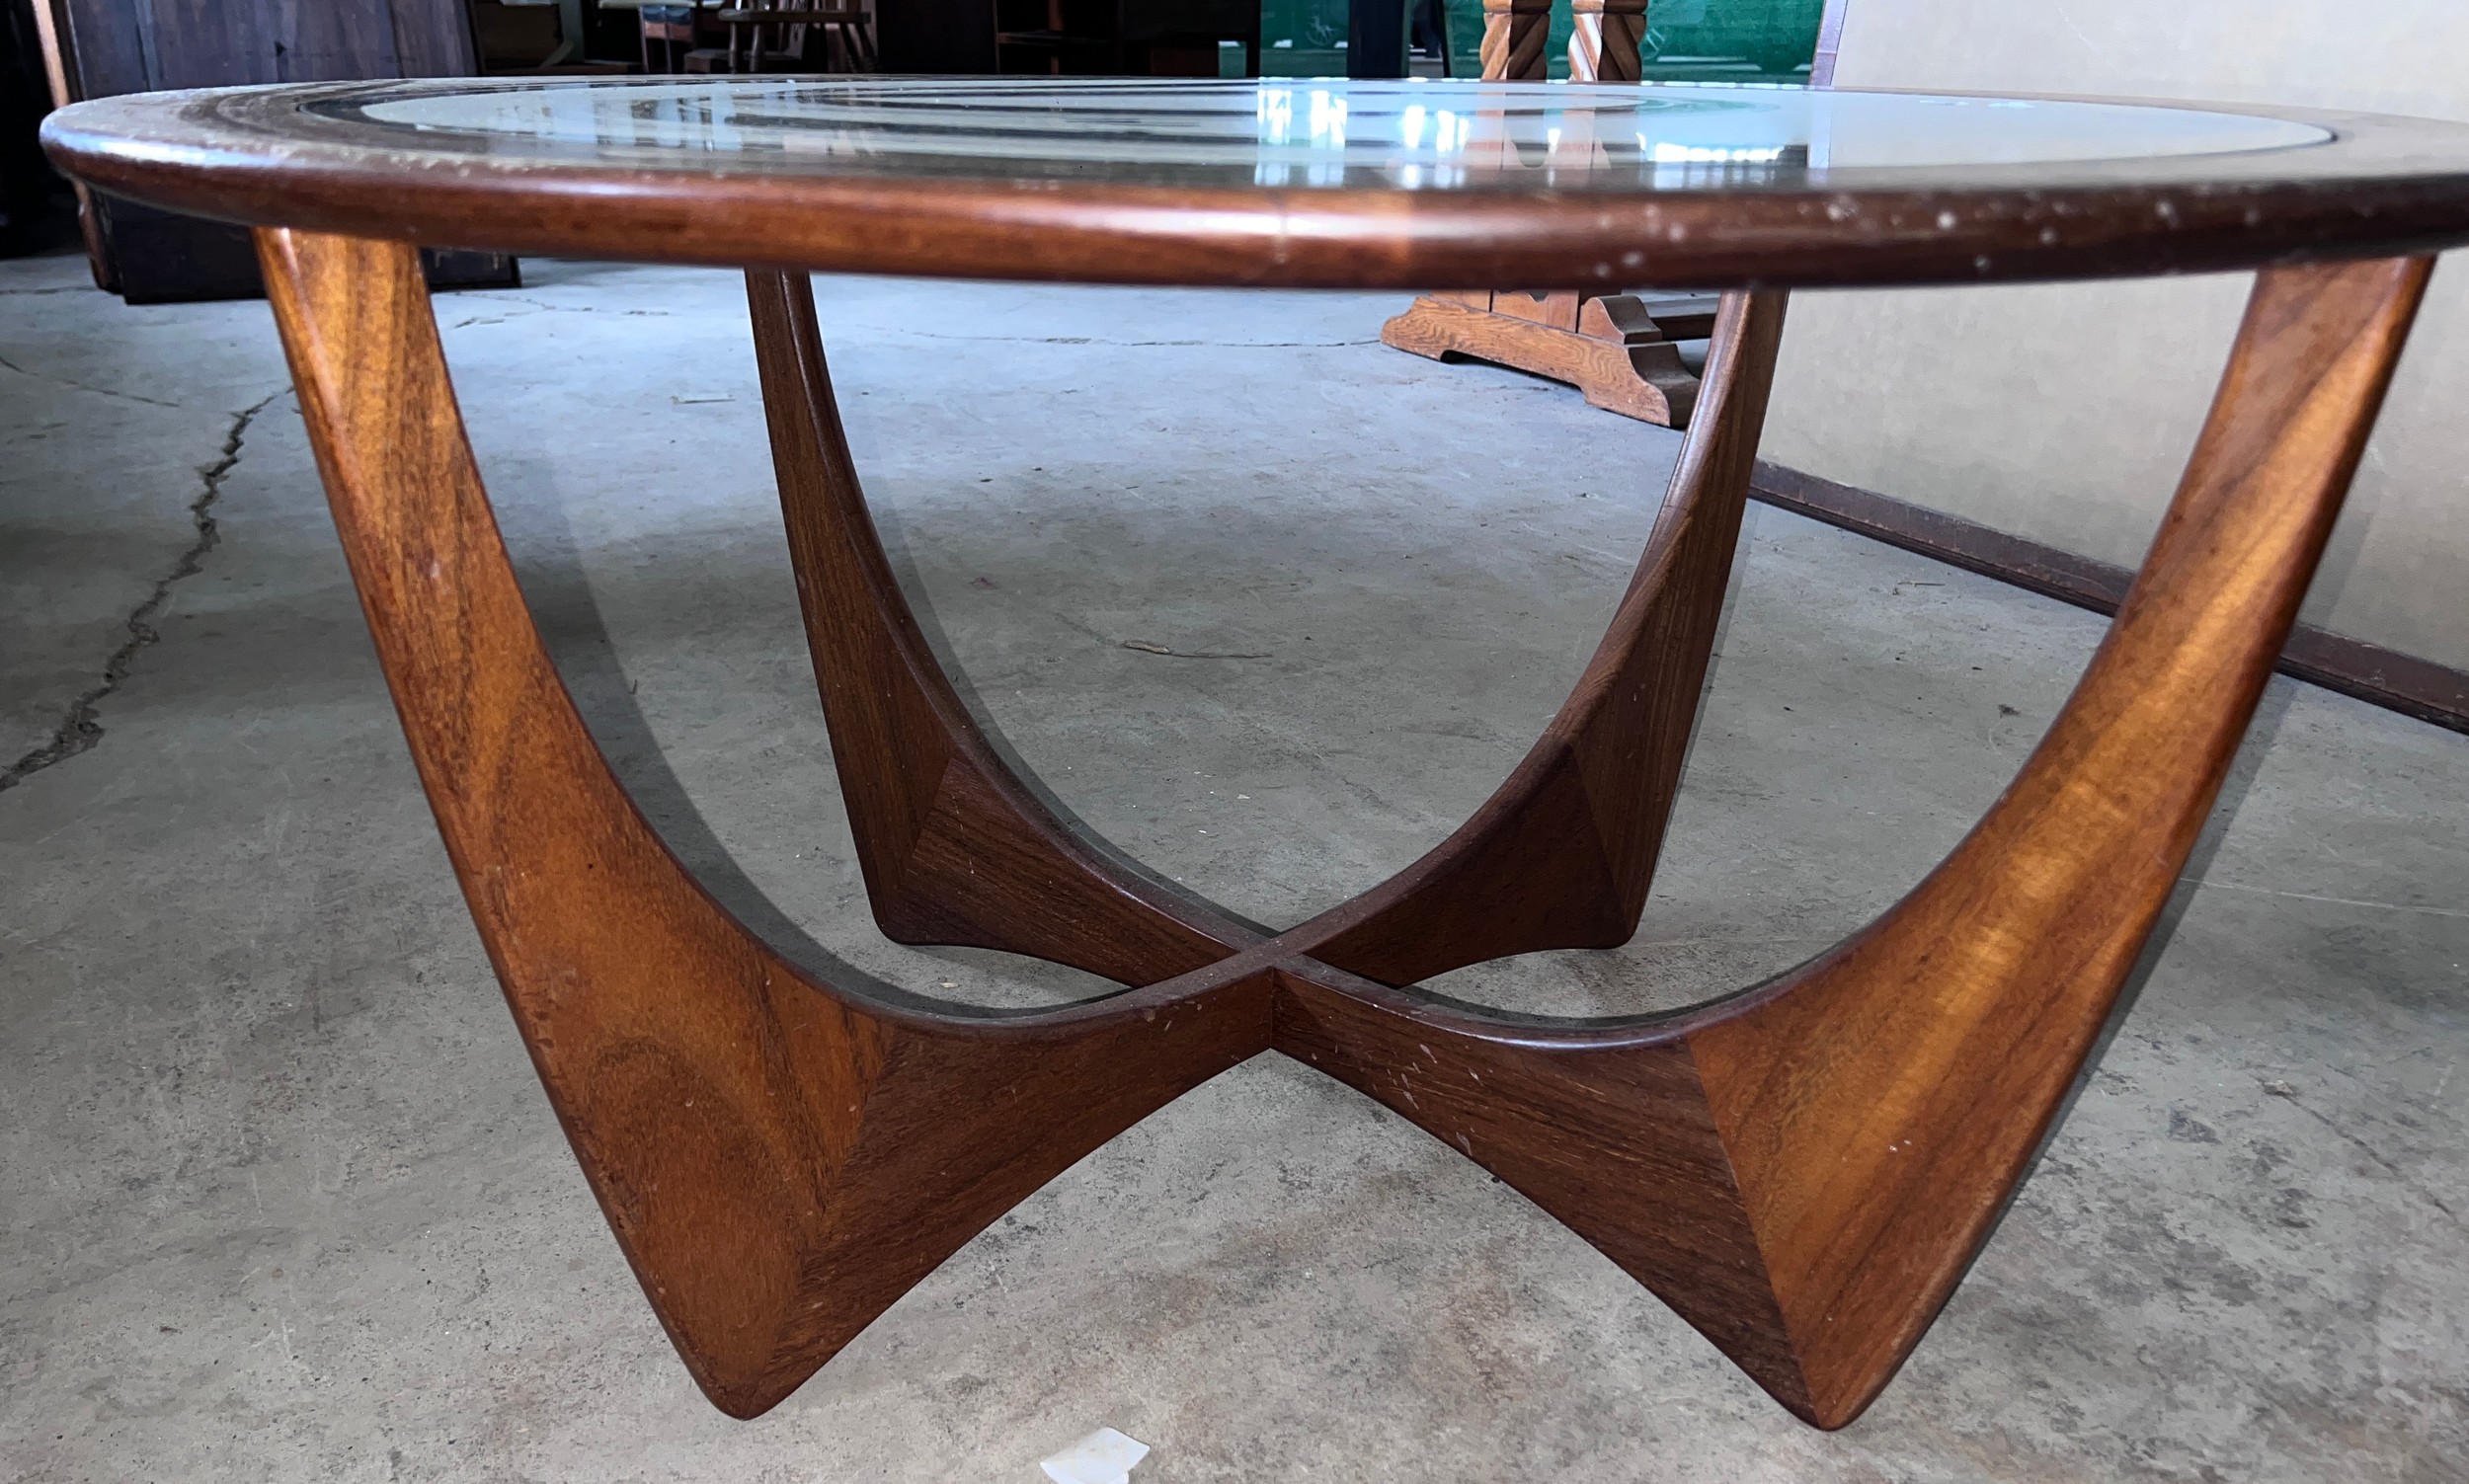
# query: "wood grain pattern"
{"type": "Point", "coordinates": [956, 850]}
{"type": "Point", "coordinates": [2379, 187]}
{"type": "Point", "coordinates": [1876, 1109]}
{"type": "Point", "coordinates": [117, 46]}
{"type": "Point", "coordinates": [1607, 39]}
{"type": "Point", "coordinates": [1881, 1103]}
{"type": "Point", "coordinates": [1802, 1170]}
{"type": "Point", "coordinates": [1515, 33]}
{"type": "Point", "coordinates": [778, 1159]}
{"type": "Point", "coordinates": [1628, 366]}
{"type": "Point", "coordinates": [137, 45]}
{"type": "Point", "coordinates": [1615, 1139]}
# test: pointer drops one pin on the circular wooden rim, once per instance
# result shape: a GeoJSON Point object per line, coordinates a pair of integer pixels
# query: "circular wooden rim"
{"type": "Point", "coordinates": [2379, 187]}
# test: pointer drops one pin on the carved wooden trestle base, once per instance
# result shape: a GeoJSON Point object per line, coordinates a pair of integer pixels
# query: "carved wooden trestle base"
{"type": "Point", "coordinates": [1620, 349]}
{"type": "Point", "coordinates": [1802, 1170]}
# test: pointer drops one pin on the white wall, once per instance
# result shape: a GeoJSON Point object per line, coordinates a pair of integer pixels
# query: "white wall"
{"type": "Point", "coordinates": [2064, 413]}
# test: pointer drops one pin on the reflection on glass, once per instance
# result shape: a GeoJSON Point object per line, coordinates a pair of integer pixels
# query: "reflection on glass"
{"type": "Point", "coordinates": [1687, 41]}
{"type": "Point", "coordinates": [1412, 134]}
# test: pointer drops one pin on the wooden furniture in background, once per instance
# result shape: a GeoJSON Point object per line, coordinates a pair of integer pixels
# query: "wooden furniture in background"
{"type": "Point", "coordinates": [1621, 349]}
{"type": "Point", "coordinates": [758, 36]}
{"type": "Point", "coordinates": [1802, 1169]}
{"type": "Point", "coordinates": [669, 32]}
{"type": "Point", "coordinates": [784, 35]}
{"type": "Point", "coordinates": [103, 49]}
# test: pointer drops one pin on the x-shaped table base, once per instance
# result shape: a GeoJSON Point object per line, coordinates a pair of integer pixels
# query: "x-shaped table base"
{"type": "Point", "coordinates": [1802, 1170]}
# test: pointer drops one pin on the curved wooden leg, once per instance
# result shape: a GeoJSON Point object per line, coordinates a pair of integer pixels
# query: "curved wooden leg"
{"type": "Point", "coordinates": [779, 1159]}
{"type": "Point", "coordinates": [1881, 1103]}
{"type": "Point", "coordinates": [954, 849]}
{"type": "Point", "coordinates": [1561, 856]}
{"type": "Point", "coordinates": [1804, 1171]}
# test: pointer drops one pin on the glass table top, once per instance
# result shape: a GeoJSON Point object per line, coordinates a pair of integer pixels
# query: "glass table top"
{"type": "Point", "coordinates": [1299, 181]}
{"type": "Point", "coordinates": [1413, 135]}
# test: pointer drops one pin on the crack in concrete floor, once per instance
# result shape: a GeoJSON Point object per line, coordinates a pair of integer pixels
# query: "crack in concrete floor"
{"type": "Point", "coordinates": [7, 364]}
{"type": "Point", "coordinates": [81, 726]}
{"type": "Point", "coordinates": [2289, 1094]}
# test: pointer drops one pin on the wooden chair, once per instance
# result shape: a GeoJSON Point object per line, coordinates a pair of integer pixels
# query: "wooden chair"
{"type": "Point", "coordinates": [1621, 349]}
{"type": "Point", "coordinates": [776, 36]}
{"type": "Point", "coordinates": [671, 31]}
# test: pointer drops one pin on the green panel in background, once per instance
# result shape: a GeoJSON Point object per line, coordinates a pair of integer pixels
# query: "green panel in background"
{"type": "Point", "coordinates": [1687, 41]}
{"type": "Point", "coordinates": [1302, 37]}
{"type": "Point", "coordinates": [1716, 40]}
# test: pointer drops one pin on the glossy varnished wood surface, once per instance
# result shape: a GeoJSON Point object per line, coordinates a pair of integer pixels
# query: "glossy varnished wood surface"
{"type": "Point", "coordinates": [1801, 1170]}
{"type": "Point", "coordinates": [1881, 1102]}
{"type": "Point", "coordinates": [779, 1158]}
{"type": "Point", "coordinates": [1611, 1135]}
{"type": "Point", "coordinates": [1602, 216]}
{"type": "Point", "coordinates": [1877, 1107]}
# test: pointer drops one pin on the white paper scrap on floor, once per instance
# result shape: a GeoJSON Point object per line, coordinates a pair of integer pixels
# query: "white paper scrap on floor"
{"type": "Point", "coordinates": [1104, 1456]}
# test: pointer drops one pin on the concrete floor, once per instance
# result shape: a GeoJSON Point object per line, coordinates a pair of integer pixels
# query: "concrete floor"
{"type": "Point", "coordinates": [283, 1202]}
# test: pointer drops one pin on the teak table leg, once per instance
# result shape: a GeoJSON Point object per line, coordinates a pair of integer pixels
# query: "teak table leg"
{"type": "Point", "coordinates": [1882, 1102]}
{"type": "Point", "coordinates": [954, 848]}
{"type": "Point", "coordinates": [1802, 1170]}
{"type": "Point", "coordinates": [779, 1159]}
{"type": "Point", "coordinates": [1561, 856]}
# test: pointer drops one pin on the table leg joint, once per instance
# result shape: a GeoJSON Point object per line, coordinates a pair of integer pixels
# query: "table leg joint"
{"type": "Point", "coordinates": [1801, 1170]}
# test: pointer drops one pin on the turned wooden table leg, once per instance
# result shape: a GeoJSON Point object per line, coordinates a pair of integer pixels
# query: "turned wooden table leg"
{"type": "Point", "coordinates": [1515, 35]}
{"type": "Point", "coordinates": [1607, 40]}
{"type": "Point", "coordinates": [779, 1158]}
{"type": "Point", "coordinates": [1806, 1170]}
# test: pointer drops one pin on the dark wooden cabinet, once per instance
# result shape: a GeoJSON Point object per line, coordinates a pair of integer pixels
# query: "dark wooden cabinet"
{"type": "Point", "coordinates": [108, 47]}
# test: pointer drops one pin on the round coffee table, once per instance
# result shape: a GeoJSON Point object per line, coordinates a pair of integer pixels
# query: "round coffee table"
{"type": "Point", "coordinates": [1802, 1169]}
